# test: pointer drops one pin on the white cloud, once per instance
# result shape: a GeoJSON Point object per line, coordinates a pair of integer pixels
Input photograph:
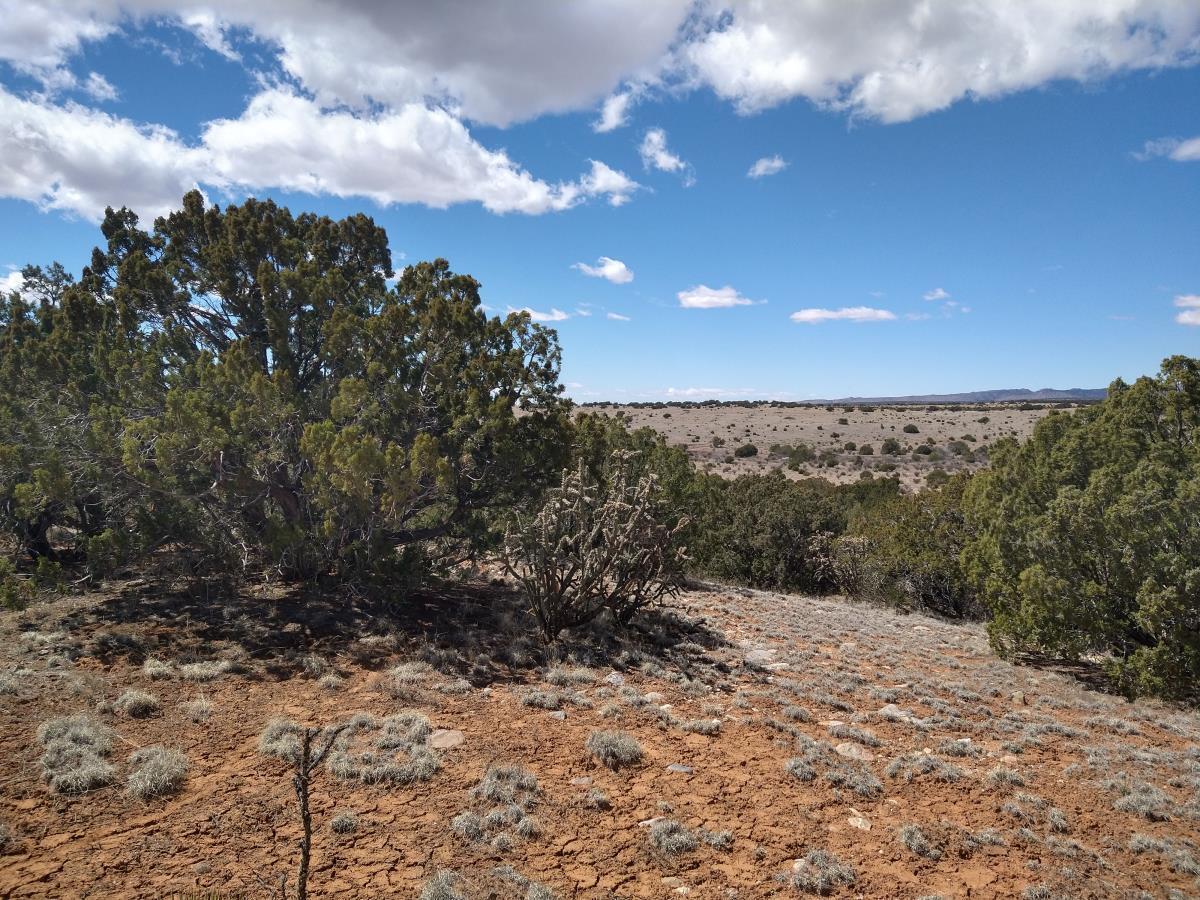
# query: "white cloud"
{"type": "Point", "coordinates": [704, 297]}
{"type": "Point", "coordinates": [79, 160]}
{"type": "Point", "coordinates": [895, 60]}
{"type": "Point", "coordinates": [1190, 306]}
{"type": "Point", "coordinates": [889, 59]}
{"type": "Point", "coordinates": [554, 315]}
{"type": "Point", "coordinates": [614, 112]}
{"type": "Point", "coordinates": [583, 311]}
{"type": "Point", "coordinates": [415, 154]}
{"type": "Point", "coordinates": [98, 87]}
{"type": "Point", "coordinates": [768, 165]}
{"type": "Point", "coordinates": [937, 294]}
{"type": "Point", "coordinates": [13, 281]}
{"type": "Point", "coordinates": [814, 316]}
{"type": "Point", "coordinates": [1172, 148]}
{"type": "Point", "coordinates": [656, 155]}
{"type": "Point", "coordinates": [617, 317]}
{"type": "Point", "coordinates": [606, 267]}
{"type": "Point", "coordinates": [75, 159]}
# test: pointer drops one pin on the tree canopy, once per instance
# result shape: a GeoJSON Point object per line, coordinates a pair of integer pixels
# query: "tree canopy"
{"type": "Point", "coordinates": [245, 383]}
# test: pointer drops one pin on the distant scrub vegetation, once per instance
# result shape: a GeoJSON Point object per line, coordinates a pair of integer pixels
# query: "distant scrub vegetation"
{"type": "Point", "coordinates": [244, 391]}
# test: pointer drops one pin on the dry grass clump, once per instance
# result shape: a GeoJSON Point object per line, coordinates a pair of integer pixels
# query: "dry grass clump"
{"type": "Point", "coordinates": [597, 799]}
{"type": "Point", "coordinates": [1002, 776]}
{"type": "Point", "coordinates": [204, 671]}
{"type": "Point", "coordinates": [614, 748]}
{"type": "Point", "coordinates": [855, 778]}
{"type": "Point", "coordinates": [281, 738]}
{"type": "Point", "coordinates": [702, 726]}
{"type": "Point", "coordinates": [542, 700]}
{"type": "Point", "coordinates": [1139, 797]}
{"type": "Point", "coordinates": [508, 784]}
{"type": "Point", "coordinates": [719, 840]}
{"type": "Point", "coordinates": [913, 838]}
{"type": "Point", "coordinates": [155, 772]}
{"type": "Point", "coordinates": [850, 733]}
{"type": "Point", "coordinates": [157, 669]}
{"type": "Point", "coordinates": [137, 704]}
{"type": "Point", "coordinates": [671, 837]}
{"type": "Point", "coordinates": [570, 677]}
{"type": "Point", "coordinates": [820, 872]}
{"type": "Point", "coordinates": [914, 765]}
{"type": "Point", "coordinates": [367, 750]}
{"type": "Point", "coordinates": [445, 885]}
{"type": "Point", "coordinates": [197, 709]}
{"type": "Point", "coordinates": [344, 823]}
{"type": "Point", "coordinates": [8, 841]}
{"type": "Point", "coordinates": [962, 747]}
{"type": "Point", "coordinates": [73, 760]}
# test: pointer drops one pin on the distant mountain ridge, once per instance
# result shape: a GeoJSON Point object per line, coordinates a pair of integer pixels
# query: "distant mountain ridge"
{"type": "Point", "coordinates": [1010, 395]}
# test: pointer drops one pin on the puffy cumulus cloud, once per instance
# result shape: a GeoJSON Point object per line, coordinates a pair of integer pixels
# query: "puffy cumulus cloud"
{"type": "Point", "coordinates": [509, 60]}
{"type": "Point", "coordinates": [895, 60]}
{"type": "Point", "coordinates": [768, 165]}
{"type": "Point", "coordinates": [498, 62]}
{"type": "Point", "coordinates": [704, 297]}
{"type": "Point", "coordinates": [414, 154]}
{"type": "Point", "coordinates": [608, 268]}
{"type": "Point", "coordinates": [79, 160]}
{"type": "Point", "coordinates": [554, 315]}
{"type": "Point", "coordinates": [937, 294]}
{"type": "Point", "coordinates": [815, 316]}
{"type": "Point", "coordinates": [1189, 306]}
{"type": "Point", "coordinates": [617, 317]}
{"type": "Point", "coordinates": [1171, 148]}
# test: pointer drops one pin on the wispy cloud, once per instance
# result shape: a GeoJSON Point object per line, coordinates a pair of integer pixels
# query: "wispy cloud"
{"type": "Point", "coordinates": [1189, 304]}
{"type": "Point", "coordinates": [554, 315]}
{"type": "Point", "coordinates": [704, 297]}
{"type": "Point", "coordinates": [815, 315]}
{"type": "Point", "coordinates": [937, 294]}
{"type": "Point", "coordinates": [608, 268]}
{"type": "Point", "coordinates": [1175, 149]}
{"type": "Point", "coordinates": [617, 317]}
{"type": "Point", "coordinates": [768, 165]}
{"type": "Point", "coordinates": [656, 155]}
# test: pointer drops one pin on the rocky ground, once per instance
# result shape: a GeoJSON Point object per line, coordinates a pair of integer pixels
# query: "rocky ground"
{"type": "Point", "coordinates": [740, 744]}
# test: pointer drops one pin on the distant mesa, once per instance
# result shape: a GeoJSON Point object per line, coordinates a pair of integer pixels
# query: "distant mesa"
{"type": "Point", "coordinates": [1012, 395]}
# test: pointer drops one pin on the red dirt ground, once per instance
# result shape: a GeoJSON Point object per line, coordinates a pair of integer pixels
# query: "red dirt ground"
{"type": "Point", "coordinates": [749, 659]}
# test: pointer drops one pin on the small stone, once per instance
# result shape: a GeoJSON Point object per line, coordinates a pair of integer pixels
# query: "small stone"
{"type": "Point", "coordinates": [446, 739]}
{"type": "Point", "coordinates": [680, 767]}
{"type": "Point", "coordinates": [653, 697]}
{"type": "Point", "coordinates": [558, 714]}
{"type": "Point", "coordinates": [920, 628]}
{"type": "Point", "coordinates": [859, 822]}
{"type": "Point", "coordinates": [616, 679]}
{"type": "Point", "coordinates": [854, 751]}
{"type": "Point", "coordinates": [1018, 697]}
{"type": "Point", "coordinates": [646, 823]}
{"type": "Point", "coordinates": [759, 657]}
{"type": "Point", "coordinates": [581, 781]}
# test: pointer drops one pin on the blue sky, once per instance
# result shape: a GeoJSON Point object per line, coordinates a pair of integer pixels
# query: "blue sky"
{"type": "Point", "coordinates": [1001, 199]}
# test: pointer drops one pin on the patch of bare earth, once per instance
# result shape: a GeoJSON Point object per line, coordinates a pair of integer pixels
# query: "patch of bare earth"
{"type": "Point", "coordinates": [788, 744]}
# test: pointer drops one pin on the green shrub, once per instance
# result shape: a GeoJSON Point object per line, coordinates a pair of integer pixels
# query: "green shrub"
{"type": "Point", "coordinates": [746, 450]}
{"type": "Point", "coordinates": [1085, 538]}
{"type": "Point", "coordinates": [911, 429]}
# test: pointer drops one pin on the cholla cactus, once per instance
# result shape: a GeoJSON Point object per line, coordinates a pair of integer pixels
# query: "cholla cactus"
{"type": "Point", "coordinates": [589, 548]}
